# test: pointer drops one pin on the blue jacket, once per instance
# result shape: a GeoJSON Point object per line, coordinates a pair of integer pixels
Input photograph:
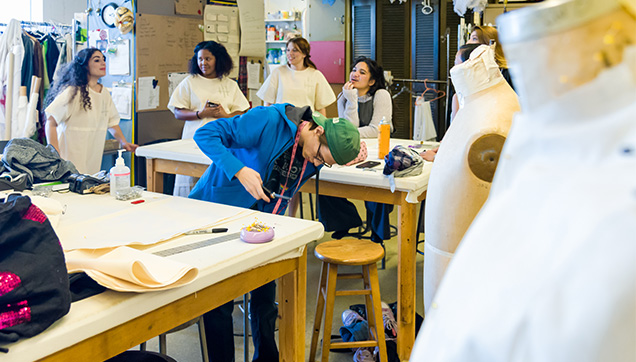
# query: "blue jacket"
{"type": "Point", "coordinates": [254, 139]}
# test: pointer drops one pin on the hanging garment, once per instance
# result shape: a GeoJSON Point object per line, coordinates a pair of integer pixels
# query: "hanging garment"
{"type": "Point", "coordinates": [65, 57]}
{"type": "Point", "coordinates": [17, 124]}
{"type": "Point", "coordinates": [10, 42]}
{"type": "Point", "coordinates": [423, 126]}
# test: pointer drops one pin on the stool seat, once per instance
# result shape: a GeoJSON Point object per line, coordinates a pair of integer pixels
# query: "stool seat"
{"type": "Point", "coordinates": [349, 252]}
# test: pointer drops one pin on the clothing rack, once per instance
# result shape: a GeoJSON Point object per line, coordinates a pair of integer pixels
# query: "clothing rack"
{"type": "Point", "coordinates": [420, 81]}
{"type": "Point", "coordinates": [40, 23]}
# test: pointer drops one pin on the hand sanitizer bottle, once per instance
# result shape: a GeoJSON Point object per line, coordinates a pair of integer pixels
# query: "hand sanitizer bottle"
{"type": "Point", "coordinates": [119, 175]}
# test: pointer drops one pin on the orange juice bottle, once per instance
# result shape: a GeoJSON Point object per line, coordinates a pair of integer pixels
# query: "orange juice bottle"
{"type": "Point", "coordinates": [384, 136]}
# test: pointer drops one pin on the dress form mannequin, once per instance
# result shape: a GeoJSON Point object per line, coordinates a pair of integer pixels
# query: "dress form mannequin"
{"type": "Point", "coordinates": [466, 161]}
{"type": "Point", "coordinates": [547, 270]}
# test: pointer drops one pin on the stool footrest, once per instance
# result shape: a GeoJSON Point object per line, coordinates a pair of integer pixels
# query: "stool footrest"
{"type": "Point", "coordinates": [353, 292]}
{"type": "Point", "coordinates": [356, 344]}
{"type": "Point", "coordinates": [350, 276]}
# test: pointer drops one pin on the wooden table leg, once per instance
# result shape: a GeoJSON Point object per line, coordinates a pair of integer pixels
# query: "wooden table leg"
{"type": "Point", "coordinates": [292, 303]}
{"type": "Point", "coordinates": [154, 180]}
{"type": "Point", "coordinates": [406, 278]}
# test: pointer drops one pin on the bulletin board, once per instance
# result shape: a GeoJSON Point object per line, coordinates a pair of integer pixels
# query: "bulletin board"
{"type": "Point", "coordinates": [165, 45]}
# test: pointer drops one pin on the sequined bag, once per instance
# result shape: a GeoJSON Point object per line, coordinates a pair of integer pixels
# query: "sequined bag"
{"type": "Point", "coordinates": [34, 287]}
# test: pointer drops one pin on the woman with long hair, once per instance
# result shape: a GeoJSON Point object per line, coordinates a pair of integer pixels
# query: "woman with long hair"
{"type": "Point", "coordinates": [205, 95]}
{"type": "Point", "coordinates": [79, 111]}
{"type": "Point", "coordinates": [364, 101]}
{"type": "Point", "coordinates": [484, 35]}
{"type": "Point", "coordinates": [298, 82]}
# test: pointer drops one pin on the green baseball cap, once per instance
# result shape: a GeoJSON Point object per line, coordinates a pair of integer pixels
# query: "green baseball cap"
{"type": "Point", "coordinates": [343, 137]}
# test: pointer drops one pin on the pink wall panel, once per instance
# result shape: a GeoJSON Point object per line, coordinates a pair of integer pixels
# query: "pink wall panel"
{"type": "Point", "coordinates": [329, 57]}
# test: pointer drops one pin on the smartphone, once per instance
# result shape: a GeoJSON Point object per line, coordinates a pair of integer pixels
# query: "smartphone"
{"type": "Point", "coordinates": [212, 104]}
{"type": "Point", "coordinates": [368, 164]}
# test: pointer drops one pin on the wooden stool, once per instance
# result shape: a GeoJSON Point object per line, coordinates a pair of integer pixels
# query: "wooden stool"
{"type": "Point", "coordinates": [348, 252]}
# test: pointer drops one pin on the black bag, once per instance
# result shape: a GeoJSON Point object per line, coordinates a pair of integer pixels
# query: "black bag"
{"type": "Point", "coordinates": [34, 287]}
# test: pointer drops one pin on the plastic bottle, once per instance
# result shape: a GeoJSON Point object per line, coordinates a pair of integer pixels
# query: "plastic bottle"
{"type": "Point", "coordinates": [119, 175]}
{"type": "Point", "coordinates": [384, 137]}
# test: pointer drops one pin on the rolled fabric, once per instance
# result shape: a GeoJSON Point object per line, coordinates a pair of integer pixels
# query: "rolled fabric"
{"type": "Point", "coordinates": [129, 270]}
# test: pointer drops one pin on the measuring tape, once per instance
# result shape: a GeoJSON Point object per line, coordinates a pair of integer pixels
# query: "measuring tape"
{"type": "Point", "coordinates": [198, 245]}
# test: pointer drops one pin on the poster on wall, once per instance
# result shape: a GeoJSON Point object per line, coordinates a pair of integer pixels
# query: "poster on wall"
{"type": "Point", "coordinates": [252, 23]}
{"type": "Point", "coordinates": [221, 24]}
{"type": "Point", "coordinates": [188, 7]}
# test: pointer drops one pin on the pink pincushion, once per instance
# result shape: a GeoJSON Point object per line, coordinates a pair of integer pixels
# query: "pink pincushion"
{"type": "Point", "coordinates": [257, 233]}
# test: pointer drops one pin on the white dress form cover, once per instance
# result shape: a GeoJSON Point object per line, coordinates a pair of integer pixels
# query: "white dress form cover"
{"type": "Point", "coordinates": [458, 185]}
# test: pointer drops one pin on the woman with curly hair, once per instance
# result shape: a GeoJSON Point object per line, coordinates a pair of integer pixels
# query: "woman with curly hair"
{"type": "Point", "coordinates": [205, 95]}
{"type": "Point", "coordinates": [79, 111]}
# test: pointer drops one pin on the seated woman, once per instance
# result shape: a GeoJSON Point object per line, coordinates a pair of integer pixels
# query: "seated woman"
{"type": "Point", "coordinates": [364, 101]}
{"type": "Point", "coordinates": [79, 111]}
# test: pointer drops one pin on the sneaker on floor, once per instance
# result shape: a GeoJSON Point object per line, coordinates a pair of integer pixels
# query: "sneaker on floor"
{"type": "Point", "coordinates": [349, 317]}
{"type": "Point", "coordinates": [363, 354]}
{"type": "Point", "coordinates": [390, 325]}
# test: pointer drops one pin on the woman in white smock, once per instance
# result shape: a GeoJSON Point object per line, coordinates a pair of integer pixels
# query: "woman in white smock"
{"type": "Point", "coordinates": [205, 95]}
{"type": "Point", "coordinates": [79, 111]}
{"type": "Point", "coordinates": [298, 82]}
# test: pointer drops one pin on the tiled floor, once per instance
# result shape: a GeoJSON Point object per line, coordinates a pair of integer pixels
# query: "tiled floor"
{"type": "Point", "coordinates": [184, 345]}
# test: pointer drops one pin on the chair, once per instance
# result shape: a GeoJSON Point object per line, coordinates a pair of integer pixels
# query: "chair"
{"type": "Point", "coordinates": [355, 252]}
{"type": "Point", "coordinates": [163, 345]}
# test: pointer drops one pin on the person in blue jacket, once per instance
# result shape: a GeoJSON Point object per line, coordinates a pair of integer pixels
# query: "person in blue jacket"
{"type": "Point", "coordinates": [248, 152]}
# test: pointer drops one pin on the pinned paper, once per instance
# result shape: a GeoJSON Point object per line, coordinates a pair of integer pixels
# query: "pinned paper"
{"type": "Point", "coordinates": [147, 93]}
{"type": "Point", "coordinates": [122, 97]}
{"type": "Point", "coordinates": [173, 81]}
{"type": "Point", "coordinates": [253, 75]}
{"type": "Point", "coordinates": [119, 62]}
{"type": "Point", "coordinates": [222, 29]}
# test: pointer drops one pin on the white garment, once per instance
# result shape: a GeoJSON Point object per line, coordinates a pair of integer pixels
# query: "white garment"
{"type": "Point", "coordinates": [65, 57]}
{"type": "Point", "coordinates": [10, 42]}
{"type": "Point", "coordinates": [192, 93]}
{"type": "Point", "coordinates": [382, 108]}
{"type": "Point", "coordinates": [479, 72]}
{"type": "Point", "coordinates": [81, 133]}
{"type": "Point", "coordinates": [423, 126]}
{"type": "Point", "coordinates": [462, 5]}
{"type": "Point", "coordinates": [307, 87]}
{"type": "Point", "coordinates": [547, 271]}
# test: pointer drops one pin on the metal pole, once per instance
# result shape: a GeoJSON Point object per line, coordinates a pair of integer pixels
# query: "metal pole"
{"type": "Point", "coordinates": [448, 82]}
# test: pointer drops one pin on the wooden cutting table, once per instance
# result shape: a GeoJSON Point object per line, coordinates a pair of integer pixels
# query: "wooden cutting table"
{"type": "Point", "coordinates": [107, 324]}
{"type": "Point", "coordinates": [184, 157]}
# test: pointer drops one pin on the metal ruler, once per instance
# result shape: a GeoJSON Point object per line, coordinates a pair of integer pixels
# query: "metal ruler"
{"type": "Point", "coordinates": [198, 245]}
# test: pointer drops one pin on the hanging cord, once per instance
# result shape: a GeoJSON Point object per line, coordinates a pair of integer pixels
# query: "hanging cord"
{"type": "Point", "coordinates": [317, 189]}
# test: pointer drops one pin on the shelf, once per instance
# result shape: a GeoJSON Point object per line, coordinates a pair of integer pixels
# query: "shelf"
{"type": "Point", "coordinates": [279, 20]}
{"type": "Point", "coordinates": [276, 41]}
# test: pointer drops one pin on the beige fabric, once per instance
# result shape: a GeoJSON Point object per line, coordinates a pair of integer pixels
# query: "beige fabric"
{"type": "Point", "coordinates": [129, 270]}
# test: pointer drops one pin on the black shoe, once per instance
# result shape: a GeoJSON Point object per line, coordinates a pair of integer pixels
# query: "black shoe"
{"type": "Point", "coordinates": [339, 234]}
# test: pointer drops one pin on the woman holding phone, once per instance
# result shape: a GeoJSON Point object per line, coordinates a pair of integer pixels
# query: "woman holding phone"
{"type": "Point", "coordinates": [205, 95]}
